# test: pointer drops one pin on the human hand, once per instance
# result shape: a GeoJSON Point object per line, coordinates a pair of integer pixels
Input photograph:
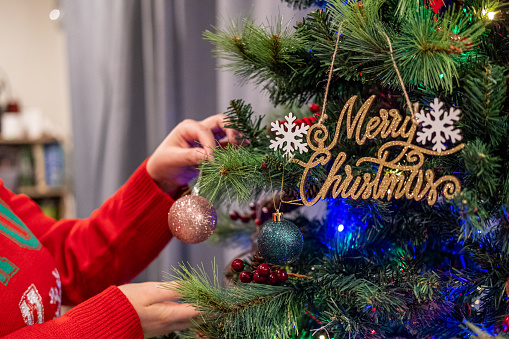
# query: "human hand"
{"type": "Point", "coordinates": [173, 163]}
{"type": "Point", "coordinates": [158, 315]}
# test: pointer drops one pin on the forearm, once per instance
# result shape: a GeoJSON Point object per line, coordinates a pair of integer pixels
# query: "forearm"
{"type": "Point", "coordinates": [112, 246]}
{"type": "Point", "coordinates": [107, 315]}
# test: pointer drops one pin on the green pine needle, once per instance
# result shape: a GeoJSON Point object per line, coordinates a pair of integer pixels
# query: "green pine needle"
{"type": "Point", "coordinates": [234, 172]}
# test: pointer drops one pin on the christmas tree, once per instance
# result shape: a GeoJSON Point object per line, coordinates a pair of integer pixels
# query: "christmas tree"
{"type": "Point", "coordinates": [399, 125]}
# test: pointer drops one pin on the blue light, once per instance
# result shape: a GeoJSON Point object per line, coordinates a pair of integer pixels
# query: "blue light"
{"type": "Point", "coordinates": [341, 228]}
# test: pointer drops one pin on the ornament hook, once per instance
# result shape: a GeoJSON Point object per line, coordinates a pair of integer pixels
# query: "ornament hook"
{"type": "Point", "coordinates": [278, 216]}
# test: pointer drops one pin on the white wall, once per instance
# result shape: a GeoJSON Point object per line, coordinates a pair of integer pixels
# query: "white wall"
{"type": "Point", "coordinates": [32, 54]}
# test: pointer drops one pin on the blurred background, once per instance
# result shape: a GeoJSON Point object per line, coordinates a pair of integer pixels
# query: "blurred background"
{"type": "Point", "coordinates": [88, 89]}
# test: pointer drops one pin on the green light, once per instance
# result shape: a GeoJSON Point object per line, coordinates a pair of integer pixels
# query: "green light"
{"type": "Point", "coordinates": [441, 76]}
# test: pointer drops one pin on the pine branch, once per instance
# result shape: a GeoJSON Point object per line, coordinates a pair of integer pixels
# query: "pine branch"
{"type": "Point", "coordinates": [234, 172]}
{"type": "Point", "coordinates": [429, 50]}
{"type": "Point", "coordinates": [484, 92]}
{"type": "Point", "coordinates": [240, 118]}
{"type": "Point", "coordinates": [266, 55]}
{"type": "Point", "coordinates": [245, 309]}
{"type": "Point", "coordinates": [482, 168]}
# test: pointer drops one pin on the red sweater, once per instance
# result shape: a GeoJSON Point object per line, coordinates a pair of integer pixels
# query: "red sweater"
{"type": "Point", "coordinates": [45, 263]}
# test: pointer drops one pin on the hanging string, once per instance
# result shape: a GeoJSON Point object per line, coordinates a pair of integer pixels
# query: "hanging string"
{"type": "Point", "coordinates": [272, 191]}
{"type": "Point", "coordinates": [280, 192]}
{"type": "Point", "coordinates": [291, 202]}
{"type": "Point", "coordinates": [324, 116]}
{"type": "Point", "coordinates": [415, 108]}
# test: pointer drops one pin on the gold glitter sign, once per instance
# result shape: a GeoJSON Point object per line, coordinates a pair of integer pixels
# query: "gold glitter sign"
{"type": "Point", "coordinates": [393, 178]}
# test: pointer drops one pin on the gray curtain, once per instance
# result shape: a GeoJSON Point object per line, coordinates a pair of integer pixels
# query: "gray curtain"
{"type": "Point", "coordinates": [137, 68]}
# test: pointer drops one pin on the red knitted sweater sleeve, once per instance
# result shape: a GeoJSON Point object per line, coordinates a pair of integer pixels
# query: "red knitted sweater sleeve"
{"type": "Point", "coordinates": [112, 246]}
{"type": "Point", "coordinates": [107, 315]}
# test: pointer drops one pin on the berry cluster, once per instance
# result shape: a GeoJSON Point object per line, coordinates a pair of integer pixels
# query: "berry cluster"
{"type": "Point", "coordinates": [266, 212]}
{"type": "Point", "coordinates": [314, 108]}
{"type": "Point", "coordinates": [308, 121]}
{"type": "Point", "coordinates": [262, 275]}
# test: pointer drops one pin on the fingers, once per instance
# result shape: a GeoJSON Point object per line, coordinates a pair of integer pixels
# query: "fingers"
{"type": "Point", "coordinates": [207, 132]}
{"type": "Point", "coordinates": [153, 292]}
{"type": "Point", "coordinates": [188, 156]}
{"type": "Point", "coordinates": [181, 312]}
{"type": "Point", "coordinates": [192, 131]}
{"type": "Point", "coordinates": [158, 315]}
{"type": "Point", "coordinates": [175, 317]}
{"type": "Point", "coordinates": [216, 124]}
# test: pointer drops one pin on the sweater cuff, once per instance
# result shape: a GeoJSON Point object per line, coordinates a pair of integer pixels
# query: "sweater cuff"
{"type": "Point", "coordinates": [142, 197]}
{"type": "Point", "coordinates": [106, 315]}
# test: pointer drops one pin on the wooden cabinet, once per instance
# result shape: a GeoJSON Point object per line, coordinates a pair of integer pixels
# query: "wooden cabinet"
{"type": "Point", "coordinates": [36, 168]}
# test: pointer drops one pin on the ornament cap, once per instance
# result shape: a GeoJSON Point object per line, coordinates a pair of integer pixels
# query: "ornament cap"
{"type": "Point", "coordinates": [278, 216]}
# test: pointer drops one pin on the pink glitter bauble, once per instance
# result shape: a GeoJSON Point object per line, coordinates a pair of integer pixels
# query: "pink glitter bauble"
{"type": "Point", "coordinates": [192, 219]}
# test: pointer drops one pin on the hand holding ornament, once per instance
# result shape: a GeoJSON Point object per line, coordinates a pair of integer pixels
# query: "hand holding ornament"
{"type": "Point", "coordinates": [192, 218]}
{"type": "Point", "coordinates": [173, 163]}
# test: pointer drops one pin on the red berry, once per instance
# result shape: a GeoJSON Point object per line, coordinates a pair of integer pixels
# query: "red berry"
{"type": "Point", "coordinates": [237, 265]}
{"type": "Point", "coordinates": [273, 278]}
{"type": "Point", "coordinates": [258, 222]}
{"type": "Point", "coordinates": [245, 218]}
{"type": "Point", "coordinates": [281, 275]}
{"type": "Point", "coordinates": [253, 215]}
{"type": "Point", "coordinates": [252, 206]}
{"type": "Point", "coordinates": [245, 276]}
{"type": "Point", "coordinates": [234, 215]}
{"type": "Point", "coordinates": [314, 108]}
{"type": "Point", "coordinates": [258, 278]}
{"type": "Point", "coordinates": [263, 269]}
{"type": "Point", "coordinates": [505, 323]}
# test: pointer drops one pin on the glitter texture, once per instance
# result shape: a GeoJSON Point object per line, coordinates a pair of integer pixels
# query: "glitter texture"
{"type": "Point", "coordinates": [414, 184]}
{"type": "Point", "coordinates": [280, 242]}
{"type": "Point", "coordinates": [192, 219]}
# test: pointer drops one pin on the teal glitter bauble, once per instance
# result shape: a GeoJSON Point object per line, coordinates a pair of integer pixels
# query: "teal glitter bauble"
{"type": "Point", "coordinates": [280, 242]}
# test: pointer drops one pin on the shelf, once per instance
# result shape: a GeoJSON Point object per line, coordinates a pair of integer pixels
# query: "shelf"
{"type": "Point", "coordinates": [43, 140]}
{"type": "Point", "coordinates": [36, 192]}
{"type": "Point", "coordinates": [37, 169]}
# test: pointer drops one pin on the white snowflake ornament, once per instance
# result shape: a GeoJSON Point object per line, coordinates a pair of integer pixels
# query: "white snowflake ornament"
{"type": "Point", "coordinates": [291, 136]}
{"type": "Point", "coordinates": [441, 126]}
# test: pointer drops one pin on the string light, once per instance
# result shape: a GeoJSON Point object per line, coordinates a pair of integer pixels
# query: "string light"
{"type": "Point", "coordinates": [341, 227]}
{"type": "Point", "coordinates": [491, 15]}
{"type": "Point", "coordinates": [54, 14]}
